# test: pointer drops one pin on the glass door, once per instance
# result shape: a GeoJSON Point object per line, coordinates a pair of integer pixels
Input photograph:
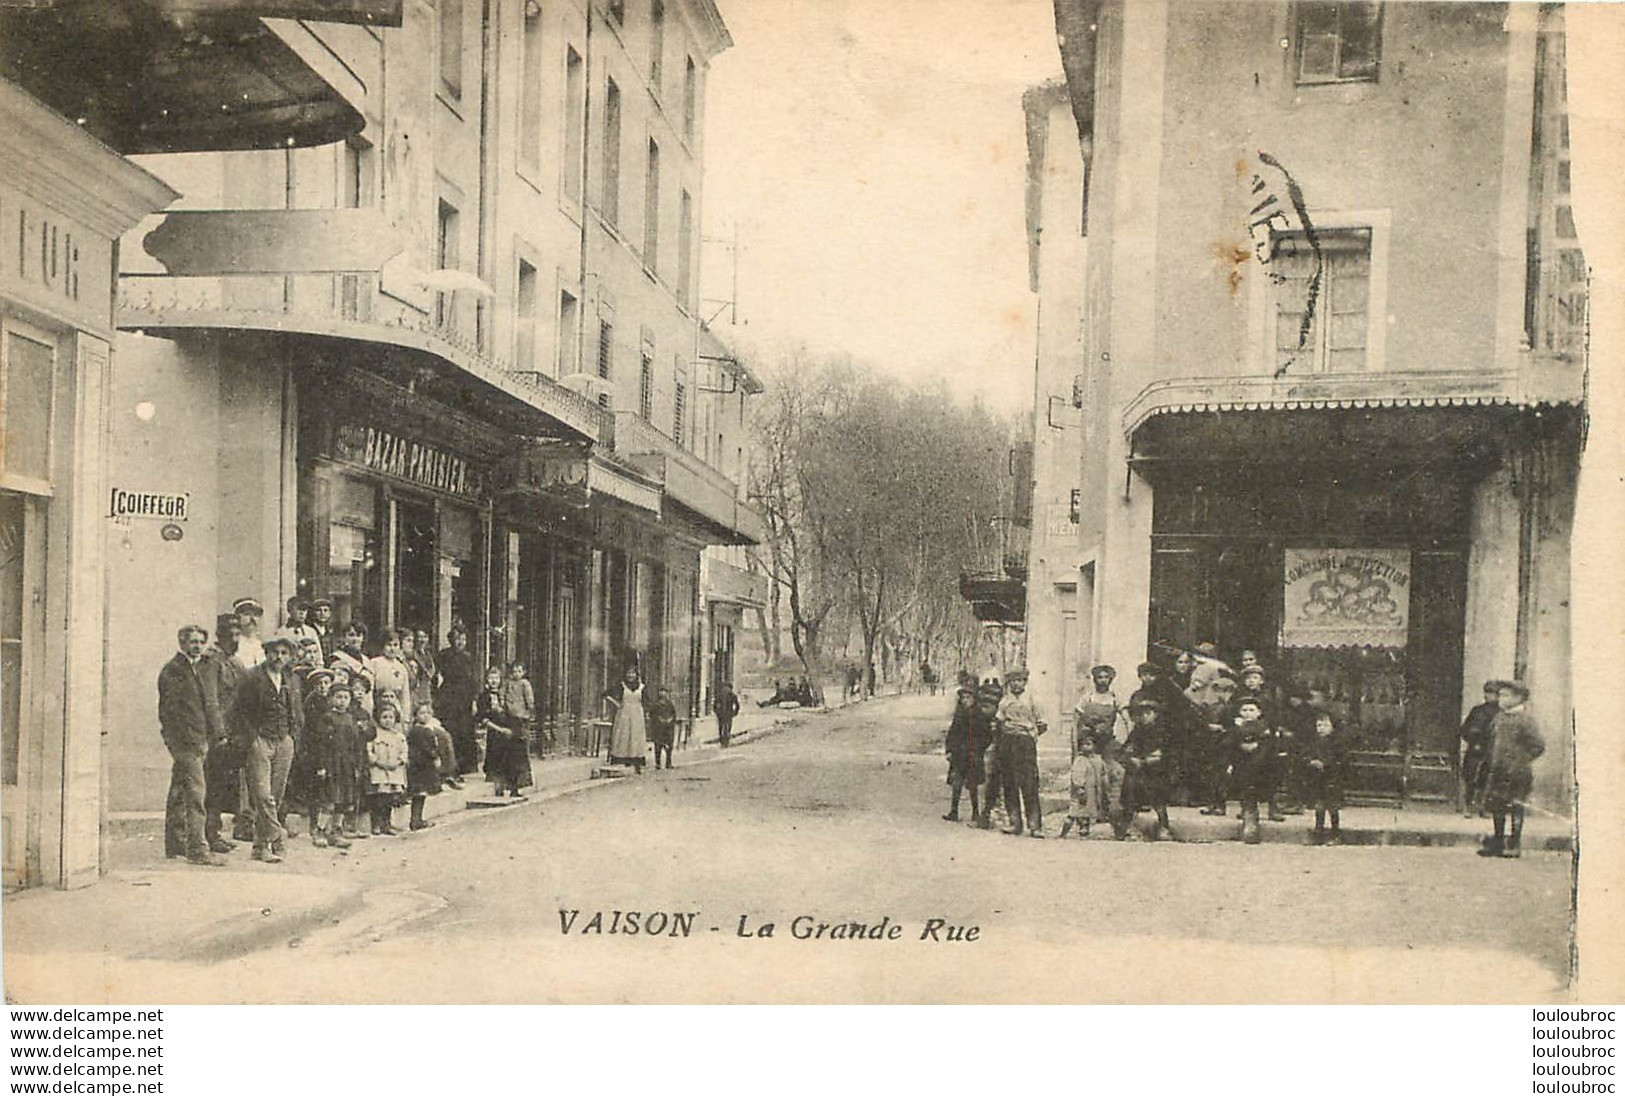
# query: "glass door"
{"type": "Point", "coordinates": [21, 621]}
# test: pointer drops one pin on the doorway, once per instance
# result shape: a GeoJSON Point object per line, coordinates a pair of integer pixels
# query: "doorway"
{"type": "Point", "coordinates": [413, 604]}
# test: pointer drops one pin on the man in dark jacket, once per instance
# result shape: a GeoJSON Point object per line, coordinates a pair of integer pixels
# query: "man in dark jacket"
{"type": "Point", "coordinates": [1475, 748]}
{"type": "Point", "coordinates": [1146, 769]}
{"type": "Point", "coordinates": [189, 719]}
{"type": "Point", "coordinates": [223, 767]}
{"type": "Point", "coordinates": [726, 704]}
{"type": "Point", "coordinates": [1515, 743]}
{"type": "Point", "coordinates": [269, 713]}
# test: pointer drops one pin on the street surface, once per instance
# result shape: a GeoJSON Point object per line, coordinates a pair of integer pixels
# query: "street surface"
{"type": "Point", "coordinates": [838, 820]}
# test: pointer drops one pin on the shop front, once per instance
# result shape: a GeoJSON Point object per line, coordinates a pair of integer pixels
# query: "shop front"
{"type": "Point", "coordinates": [65, 199]}
{"type": "Point", "coordinates": [395, 509]}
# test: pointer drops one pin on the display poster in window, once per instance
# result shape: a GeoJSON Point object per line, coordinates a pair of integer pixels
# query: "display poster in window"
{"type": "Point", "coordinates": [1346, 597]}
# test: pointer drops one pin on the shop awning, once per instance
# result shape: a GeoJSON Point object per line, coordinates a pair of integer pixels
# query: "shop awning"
{"type": "Point", "coordinates": [147, 76]}
{"type": "Point", "coordinates": [1391, 418]}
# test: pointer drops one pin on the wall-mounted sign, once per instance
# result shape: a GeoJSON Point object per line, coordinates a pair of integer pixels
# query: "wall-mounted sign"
{"type": "Point", "coordinates": [1060, 522]}
{"type": "Point", "coordinates": [413, 461]}
{"type": "Point", "coordinates": [125, 505]}
{"type": "Point", "coordinates": [1347, 597]}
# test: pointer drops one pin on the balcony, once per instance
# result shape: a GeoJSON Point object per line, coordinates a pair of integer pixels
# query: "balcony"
{"type": "Point", "coordinates": [994, 579]}
{"type": "Point", "coordinates": [326, 275]}
{"type": "Point", "coordinates": [722, 581]}
{"type": "Point", "coordinates": [688, 481]}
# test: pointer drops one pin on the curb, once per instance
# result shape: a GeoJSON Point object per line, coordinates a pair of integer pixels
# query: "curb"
{"type": "Point", "coordinates": [249, 931]}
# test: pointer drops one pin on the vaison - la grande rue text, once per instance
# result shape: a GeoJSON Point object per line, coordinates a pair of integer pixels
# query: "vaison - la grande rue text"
{"type": "Point", "coordinates": [806, 926]}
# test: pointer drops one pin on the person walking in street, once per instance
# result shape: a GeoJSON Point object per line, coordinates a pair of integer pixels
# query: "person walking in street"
{"type": "Point", "coordinates": [628, 734]}
{"type": "Point", "coordinates": [1515, 743]}
{"type": "Point", "coordinates": [725, 702]}
{"type": "Point", "coordinates": [1146, 769]}
{"type": "Point", "coordinates": [454, 700]}
{"type": "Point", "coordinates": [189, 720]}
{"type": "Point", "coordinates": [268, 715]}
{"type": "Point", "coordinates": [967, 738]}
{"type": "Point", "coordinates": [662, 723]}
{"type": "Point", "coordinates": [1475, 749]}
{"type": "Point", "coordinates": [1020, 724]}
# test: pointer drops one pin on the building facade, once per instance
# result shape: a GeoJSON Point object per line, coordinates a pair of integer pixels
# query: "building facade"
{"type": "Point", "coordinates": [213, 76]}
{"type": "Point", "coordinates": [1332, 359]}
{"type": "Point", "coordinates": [449, 363]}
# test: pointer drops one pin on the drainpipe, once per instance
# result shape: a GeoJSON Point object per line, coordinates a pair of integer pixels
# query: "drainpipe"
{"type": "Point", "coordinates": [581, 209]}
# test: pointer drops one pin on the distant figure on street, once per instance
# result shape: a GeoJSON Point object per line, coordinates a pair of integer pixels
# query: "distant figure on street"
{"type": "Point", "coordinates": [189, 719]}
{"type": "Point", "coordinates": [1515, 743]}
{"type": "Point", "coordinates": [628, 735]}
{"type": "Point", "coordinates": [1475, 748]}
{"type": "Point", "coordinates": [661, 714]}
{"type": "Point", "coordinates": [725, 702]}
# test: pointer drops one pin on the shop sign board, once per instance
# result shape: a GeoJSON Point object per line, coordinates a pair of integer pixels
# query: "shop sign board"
{"type": "Point", "coordinates": [405, 459]}
{"type": "Point", "coordinates": [1346, 597]}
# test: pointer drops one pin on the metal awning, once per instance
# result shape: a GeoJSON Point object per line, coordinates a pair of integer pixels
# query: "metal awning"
{"type": "Point", "coordinates": [147, 76]}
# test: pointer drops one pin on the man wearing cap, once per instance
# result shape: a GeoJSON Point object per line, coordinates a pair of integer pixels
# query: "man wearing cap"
{"type": "Point", "coordinates": [989, 695]}
{"type": "Point", "coordinates": [250, 651]}
{"type": "Point", "coordinates": [319, 622]}
{"type": "Point", "coordinates": [964, 747]}
{"type": "Point", "coordinates": [188, 719]}
{"type": "Point", "coordinates": [1515, 743]}
{"type": "Point", "coordinates": [1020, 723]}
{"type": "Point", "coordinates": [269, 714]}
{"type": "Point", "coordinates": [1475, 748]}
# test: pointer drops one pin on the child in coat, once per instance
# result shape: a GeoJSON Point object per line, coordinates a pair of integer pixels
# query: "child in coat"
{"type": "Point", "coordinates": [507, 757]}
{"type": "Point", "coordinates": [422, 765]}
{"type": "Point", "coordinates": [386, 767]}
{"type": "Point", "coordinates": [1324, 770]}
{"type": "Point", "coordinates": [1250, 772]}
{"type": "Point", "coordinates": [1515, 743]}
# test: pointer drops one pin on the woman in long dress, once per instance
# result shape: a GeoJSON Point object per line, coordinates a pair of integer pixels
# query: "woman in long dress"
{"type": "Point", "coordinates": [628, 737]}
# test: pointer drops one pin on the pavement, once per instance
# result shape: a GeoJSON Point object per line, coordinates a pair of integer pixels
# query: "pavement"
{"type": "Point", "coordinates": [147, 907]}
{"type": "Point", "coordinates": [781, 822]}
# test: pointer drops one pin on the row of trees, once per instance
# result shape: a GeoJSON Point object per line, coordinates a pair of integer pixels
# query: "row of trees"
{"type": "Point", "coordinates": [876, 494]}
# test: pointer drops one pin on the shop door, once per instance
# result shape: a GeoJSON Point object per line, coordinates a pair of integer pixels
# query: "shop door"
{"type": "Point", "coordinates": [22, 626]}
{"type": "Point", "coordinates": [415, 565]}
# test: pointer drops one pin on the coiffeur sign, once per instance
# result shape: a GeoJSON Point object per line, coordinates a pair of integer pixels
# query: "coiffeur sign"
{"type": "Point", "coordinates": [1347, 597]}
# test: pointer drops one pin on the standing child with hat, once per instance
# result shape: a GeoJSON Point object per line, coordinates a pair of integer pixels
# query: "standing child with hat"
{"type": "Point", "coordinates": [1515, 743]}
{"type": "Point", "coordinates": [1146, 769]}
{"type": "Point", "coordinates": [966, 741]}
{"type": "Point", "coordinates": [1020, 723]}
{"type": "Point", "coordinates": [386, 766]}
{"type": "Point", "coordinates": [332, 744]}
{"type": "Point", "coordinates": [1251, 770]}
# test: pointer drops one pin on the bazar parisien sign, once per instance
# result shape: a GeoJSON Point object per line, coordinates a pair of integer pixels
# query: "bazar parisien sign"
{"type": "Point", "coordinates": [403, 458]}
{"type": "Point", "coordinates": [1346, 597]}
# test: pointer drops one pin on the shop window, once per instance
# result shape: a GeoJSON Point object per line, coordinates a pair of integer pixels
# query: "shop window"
{"type": "Point", "coordinates": [1338, 42]}
{"type": "Point", "coordinates": [27, 382]}
{"type": "Point", "coordinates": [1321, 299]}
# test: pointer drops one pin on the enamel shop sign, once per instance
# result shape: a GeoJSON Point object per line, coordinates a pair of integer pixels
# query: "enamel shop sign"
{"type": "Point", "coordinates": [1346, 597]}
{"type": "Point", "coordinates": [126, 505]}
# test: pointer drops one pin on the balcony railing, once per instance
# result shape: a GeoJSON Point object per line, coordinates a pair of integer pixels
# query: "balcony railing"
{"type": "Point", "coordinates": [687, 479]}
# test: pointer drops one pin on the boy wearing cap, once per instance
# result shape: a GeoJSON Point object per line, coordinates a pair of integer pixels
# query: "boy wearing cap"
{"type": "Point", "coordinates": [250, 651]}
{"type": "Point", "coordinates": [1251, 769]}
{"type": "Point", "coordinates": [1020, 723]}
{"type": "Point", "coordinates": [988, 697]}
{"type": "Point", "coordinates": [966, 741]}
{"type": "Point", "coordinates": [1145, 779]}
{"type": "Point", "coordinates": [1475, 748]}
{"type": "Point", "coordinates": [269, 713]}
{"type": "Point", "coordinates": [1515, 743]}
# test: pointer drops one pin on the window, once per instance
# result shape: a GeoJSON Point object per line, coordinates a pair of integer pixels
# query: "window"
{"type": "Point", "coordinates": [451, 47]}
{"type": "Point", "coordinates": [575, 120]}
{"type": "Point", "coordinates": [609, 202]}
{"type": "Point", "coordinates": [616, 10]}
{"type": "Point", "coordinates": [524, 347]}
{"type": "Point", "coordinates": [1338, 42]}
{"type": "Point", "coordinates": [651, 209]}
{"type": "Point", "coordinates": [354, 192]}
{"type": "Point", "coordinates": [27, 385]}
{"type": "Point", "coordinates": [530, 87]}
{"type": "Point", "coordinates": [569, 318]}
{"type": "Point", "coordinates": [646, 388]}
{"type": "Point", "coordinates": [445, 257]}
{"type": "Point", "coordinates": [679, 403]}
{"type": "Point", "coordinates": [691, 97]}
{"type": "Point", "coordinates": [606, 338]}
{"type": "Point", "coordinates": [657, 42]}
{"type": "Point", "coordinates": [685, 248]}
{"type": "Point", "coordinates": [1321, 299]}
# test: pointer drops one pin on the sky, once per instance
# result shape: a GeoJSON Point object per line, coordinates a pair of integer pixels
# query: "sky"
{"type": "Point", "coordinates": [872, 154]}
